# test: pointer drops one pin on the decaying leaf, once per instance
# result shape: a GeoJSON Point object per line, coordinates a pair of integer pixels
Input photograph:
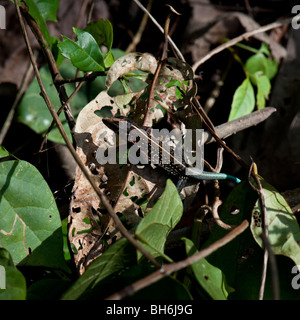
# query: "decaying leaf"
{"type": "Point", "coordinates": [133, 61]}
{"type": "Point", "coordinates": [131, 190]}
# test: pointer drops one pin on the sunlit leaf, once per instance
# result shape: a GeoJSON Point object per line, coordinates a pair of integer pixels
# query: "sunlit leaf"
{"type": "Point", "coordinates": [243, 100]}
{"type": "Point", "coordinates": [263, 89]}
{"type": "Point", "coordinates": [155, 227]}
{"type": "Point", "coordinates": [85, 53]}
{"type": "Point", "coordinates": [259, 62]}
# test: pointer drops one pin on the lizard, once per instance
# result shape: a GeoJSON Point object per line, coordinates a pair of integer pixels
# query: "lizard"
{"type": "Point", "coordinates": [175, 169]}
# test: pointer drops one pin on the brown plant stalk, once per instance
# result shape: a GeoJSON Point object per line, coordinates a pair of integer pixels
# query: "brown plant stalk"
{"type": "Point", "coordinates": [61, 129]}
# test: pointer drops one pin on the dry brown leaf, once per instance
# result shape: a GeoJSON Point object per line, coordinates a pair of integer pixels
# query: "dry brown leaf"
{"type": "Point", "coordinates": [91, 230]}
{"type": "Point", "coordinates": [132, 61]}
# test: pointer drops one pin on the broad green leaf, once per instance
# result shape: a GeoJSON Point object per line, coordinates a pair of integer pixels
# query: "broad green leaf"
{"type": "Point", "coordinates": [12, 281]}
{"type": "Point", "coordinates": [47, 289]}
{"type": "Point", "coordinates": [209, 277]}
{"type": "Point", "coordinates": [243, 100]}
{"type": "Point", "coordinates": [263, 89]}
{"type": "Point", "coordinates": [284, 231]}
{"type": "Point", "coordinates": [102, 31]}
{"type": "Point", "coordinates": [48, 9]}
{"type": "Point", "coordinates": [155, 227]}
{"type": "Point", "coordinates": [259, 62]}
{"type": "Point", "coordinates": [33, 111]}
{"type": "Point", "coordinates": [119, 256]}
{"type": "Point", "coordinates": [84, 54]}
{"type": "Point", "coordinates": [30, 226]}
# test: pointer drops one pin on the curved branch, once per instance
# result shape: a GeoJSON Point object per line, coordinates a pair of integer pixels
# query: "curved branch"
{"type": "Point", "coordinates": [240, 38]}
{"type": "Point", "coordinates": [166, 270]}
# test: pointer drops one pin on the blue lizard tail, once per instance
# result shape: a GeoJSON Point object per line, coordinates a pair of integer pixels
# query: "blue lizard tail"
{"type": "Point", "coordinates": [205, 175]}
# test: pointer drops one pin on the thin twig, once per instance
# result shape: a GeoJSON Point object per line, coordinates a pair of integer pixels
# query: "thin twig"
{"type": "Point", "coordinates": [208, 124]}
{"type": "Point", "coordinates": [239, 38]}
{"type": "Point", "coordinates": [219, 163]}
{"type": "Point", "coordinates": [214, 210]}
{"type": "Point", "coordinates": [265, 237]}
{"type": "Point", "coordinates": [217, 201]}
{"type": "Point", "coordinates": [90, 12]}
{"type": "Point", "coordinates": [166, 270]}
{"type": "Point", "coordinates": [60, 127]}
{"type": "Point", "coordinates": [138, 36]}
{"type": "Point", "coordinates": [173, 45]}
{"type": "Point", "coordinates": [55, 73]}
{"type": "Point", "coordinates": [58, 113]}
{"type": "Point", "coordinates": [274, 270]}
{"type": "Point", "coordinates": [81, 14]}
{"type": "Point", "coordinates": [160, 63]}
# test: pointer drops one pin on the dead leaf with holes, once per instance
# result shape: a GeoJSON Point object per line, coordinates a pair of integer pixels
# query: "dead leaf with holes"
{"type": "Point", "coordinates": [131, 190]}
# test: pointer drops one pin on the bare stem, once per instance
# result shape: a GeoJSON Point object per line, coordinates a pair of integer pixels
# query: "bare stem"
{"type": "Point", "coordinates": [239, 38]}
{"type": "Point", "coordinates": [166, 270]}
{"type": "Point", "coordinates": [160, 28]}
{"type": "Point", "coordinates": [268, 253]}
{"type": "Point", "coordinates": [138, 36]}
{"type": "Point", "coordinates": [55, 73]}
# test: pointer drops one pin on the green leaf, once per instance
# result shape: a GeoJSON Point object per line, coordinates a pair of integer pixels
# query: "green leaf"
{"type": "Point", "coordinates": [120, 255]}
{"type": "Point", "coordinates": [102, 31]}
{"type": "Point", "coordinates": [48, 9]}
{"type": "Point", "coordinates": [284, 231]}
{"type": "Point", "coordinates": [14, 286]}
{"type": "Point", "coordinates": [47, 289]}
{"type": "Point", "coordinates": [109, 59]}
{"type": "Point", "coordinates": [66, 250]}
{"type": "Point", "coordinates": [84, 54]}
{"type": "Point", "coordinates": [263, 89]}
{"type": "Point", "coordinates": [3, 152]}
{"type": "Point", "coordinates": [209, 277]}
{"type": "Point", "coordinates": [259, 62]}
{"type": "Point", "coordinates": [264, 48]}
{"type": "Point", "coordinates": [42, 10]}
{"type": "Point", "coordinates": [243, 100]}
{"type": "Point", "coordinates": [30, 226]}
{"type": "Point", "coordinates": [241, 259]}
{"type": "Point", "coordinates": [33, 110]}
{"type": "Point", "coordinates": [155, 227]}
